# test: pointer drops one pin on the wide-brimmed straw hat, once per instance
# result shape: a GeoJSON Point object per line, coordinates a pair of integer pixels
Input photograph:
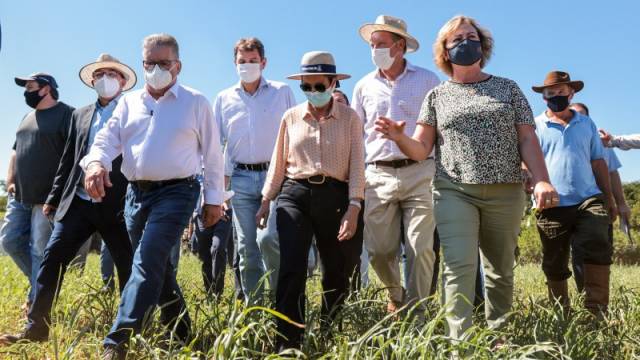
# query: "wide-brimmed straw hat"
{"type": "Point", "coordinates": [393, 25]}
{"type": "Point", "coordinates": [106, 61]}
{"type": "Point", "coordinates": [318, 63]}
{"type": "Point", "coordinates": [557, 78]}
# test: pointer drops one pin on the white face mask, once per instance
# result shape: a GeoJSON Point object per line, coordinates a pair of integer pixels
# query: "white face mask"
{"type": "Point", "coordinates": [158, 78]}
{"type": "Point", "coordinates": [106, 87]}
{"type": "Point", "coordinates": [382, 58]}
{"type": "Point", "coordinates": [249, 72]}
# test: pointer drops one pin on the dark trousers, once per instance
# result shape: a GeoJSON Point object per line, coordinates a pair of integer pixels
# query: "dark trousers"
{"type": "Point", "coordinates": [587, 224]}
{"type": "Point", "coordinates": [215, 250]}
{"type": "Point", "coordinates": [352, 250]}
{"type": "Point", "coordinates": [81, 221]}
{"type": "Point", "coordinates": [578, 263]}
{"type": "Point", "coordinates": [303, 211]}
{"type": "Point", "coordinates": [155, 221]}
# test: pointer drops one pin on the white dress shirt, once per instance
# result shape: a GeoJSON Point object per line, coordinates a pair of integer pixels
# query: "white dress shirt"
{"type": "Point", "coordinates": [173, 137]}
{"type": "Point", "coordinates": [248, 123]}
{"type": "Point", "coordinates": [399, 100]}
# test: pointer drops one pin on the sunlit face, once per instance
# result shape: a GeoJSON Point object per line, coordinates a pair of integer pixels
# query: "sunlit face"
{"type": "Point", "coordinates": [316, 82]}
{"type": "Point", "coordinates": [384, 40]}
{"type": "Point", "coordinates": [558, 90]}
{"type": "Point", "coordinates": [463, 32]}
{"type": "Point", "coordinates": [164, 57]}
{"type": "Point", "coordinates": [250, 57]}
{"type": "Point", "coordinates": [32, 85]}
{"type": "Point", "coordinates": [579, 109]}
{"type": "Point", "coordinates": [339, 97]}
{"type": "Point", "coordinates": [110, 73]}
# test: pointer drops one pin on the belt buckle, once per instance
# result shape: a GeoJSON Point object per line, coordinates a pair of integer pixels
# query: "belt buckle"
{"type": "Point", "coordinates": [317, 182]}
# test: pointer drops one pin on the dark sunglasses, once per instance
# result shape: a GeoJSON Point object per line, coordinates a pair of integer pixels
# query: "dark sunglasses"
{"type": "Point", "coordinates": [319, 87]}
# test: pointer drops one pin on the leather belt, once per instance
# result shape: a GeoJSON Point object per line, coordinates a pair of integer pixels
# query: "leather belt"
{"type": "Point", "coordinates": [396, 164]}
{"type": "Point", "coordinates": [253, 167]}
{"type": "Point", "coordinates": [319, 180]}
{"type": "Point", "coordinates": [148, 185]}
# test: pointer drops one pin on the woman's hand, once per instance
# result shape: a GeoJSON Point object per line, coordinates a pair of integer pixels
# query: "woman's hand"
{"type": "Point", "coordinates": [349, 223]}
{"type": "Point", "coordinates": [263, 214]}
{"type": "Point", "coordinates": [545, 195]}
{"type": "Point", "coordinates": [392, 130]}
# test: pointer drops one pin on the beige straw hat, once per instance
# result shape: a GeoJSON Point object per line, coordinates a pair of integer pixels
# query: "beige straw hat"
{"type": "Point", "coordinates": [391, 24]}
{"type": "Point", "coordinates": [106, 61]}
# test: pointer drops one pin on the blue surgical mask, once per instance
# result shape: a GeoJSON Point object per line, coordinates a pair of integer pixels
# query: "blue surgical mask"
{"type": "Point", "coordinates": [319, 99]}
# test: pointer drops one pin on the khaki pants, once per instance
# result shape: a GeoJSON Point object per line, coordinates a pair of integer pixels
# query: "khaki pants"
{"type": "Point", "coordinates": [472, 216]}
{"type": "Point", "coordinates": [393, 196]}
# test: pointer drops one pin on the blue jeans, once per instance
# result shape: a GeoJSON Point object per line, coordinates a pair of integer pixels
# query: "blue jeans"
{"type": "Point", "coordinates": [24, 236]}
{"type": "Point", "coordinates": [259, 250]}
{"type": "Point", "coordinates": [155, 221]}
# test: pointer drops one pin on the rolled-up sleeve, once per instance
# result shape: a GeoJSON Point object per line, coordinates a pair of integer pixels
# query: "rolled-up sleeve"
{"type": "Point", "coordinates": [212, 160]}
{"type": "Point", "coordinates": [277, 167]}
{"type": "Point", "coordinates": [107, 144]}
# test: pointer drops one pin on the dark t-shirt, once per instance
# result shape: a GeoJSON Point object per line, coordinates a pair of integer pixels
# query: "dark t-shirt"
{"type": "Point", "coordinates": [40, 141]}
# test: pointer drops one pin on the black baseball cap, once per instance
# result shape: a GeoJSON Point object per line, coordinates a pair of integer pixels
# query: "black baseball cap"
{"type": "Point", "coordinates": [41, 78]}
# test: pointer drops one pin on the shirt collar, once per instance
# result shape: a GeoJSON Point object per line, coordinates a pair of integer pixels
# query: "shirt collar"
{"type": "Point", "coordinates": [576, 117]}
{"type": "Point", "coordinates": [174, 89]}
{"type": "Point", "coordinates": [333, 112]}
{"type": "Point", "coordinates": [263, 84]}
{"type": "Point", "coordinates": [111, 103]}
{"type": "Point", "coordinates": [408, 67]}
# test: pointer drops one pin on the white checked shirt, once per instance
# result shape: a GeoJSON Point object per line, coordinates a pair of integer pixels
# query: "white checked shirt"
{"type": "Point", "coordinates": [169, 138]}
{"type": "Point", "coordinates": [249, 123]}
{"type": "Point", "coordinates": [399, 100]}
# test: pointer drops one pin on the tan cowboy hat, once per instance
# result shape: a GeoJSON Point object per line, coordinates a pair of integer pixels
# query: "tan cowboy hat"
{"type": "Point", "coordinates": [318, 63]}
{"type": "Point", "coordinates": [106, 61]}
{"type": "Point", "coordinates": [556, 78]}
{"type": "Point", "coordinates": [393, 25]}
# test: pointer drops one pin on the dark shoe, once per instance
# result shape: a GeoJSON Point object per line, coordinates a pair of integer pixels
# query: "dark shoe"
{"type": "Point", "coordinates": [112, 352]}
{"type": "Point", "coordinates": [8, 339]}
{"type": "Point", "coordinates": [559, 291]}
{"type": "Point", "coordinates": [596, 287]}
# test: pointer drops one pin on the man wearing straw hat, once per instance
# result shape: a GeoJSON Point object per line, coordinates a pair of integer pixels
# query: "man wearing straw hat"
{"type": "Point", "coordinates": [398, 189]}
{"type": "Point", "coordinates": [76, 215]}
{"type": "Point", "coordinates": [574, 155]}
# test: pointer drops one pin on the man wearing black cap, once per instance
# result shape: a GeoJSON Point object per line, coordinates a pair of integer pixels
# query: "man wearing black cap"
{"type": "Point", "coordinates": [39, 144]}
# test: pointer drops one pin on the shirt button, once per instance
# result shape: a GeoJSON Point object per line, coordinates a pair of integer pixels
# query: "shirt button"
{"type": "Point", "coordinates": [318, 165]}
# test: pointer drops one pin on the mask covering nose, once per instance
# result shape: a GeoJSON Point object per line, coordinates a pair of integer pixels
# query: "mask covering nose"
{"type": "Point", "coordinates": [158, 78]}
{"type": "Point", "coordinates": [33, 98]}
{"type": "Point", "coordinates": [558, 103]}
{"type": "Point", "coordinates": [382, 58]}
{"type": "Point", "coordinates": [106, 87]}
{"type": "Point", "coordinates": [319, 99]}
{"type": "Point", "coordinates": [466, 53]}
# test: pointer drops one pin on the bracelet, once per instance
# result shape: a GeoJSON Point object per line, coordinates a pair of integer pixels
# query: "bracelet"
{"type": "Point", "coordinates": [355, 203]}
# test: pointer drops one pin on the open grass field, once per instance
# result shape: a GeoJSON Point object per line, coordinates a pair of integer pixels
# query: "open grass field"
{"type": "Point", "coordinates": [225, 329]}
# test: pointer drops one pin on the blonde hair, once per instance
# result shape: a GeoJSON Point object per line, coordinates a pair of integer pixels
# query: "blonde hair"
{"type": "Point", "coordinates": [440, 45]}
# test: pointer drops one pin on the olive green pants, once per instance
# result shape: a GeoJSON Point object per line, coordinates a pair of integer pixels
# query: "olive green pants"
{"type": "Point", "coordinates": [472, 217]}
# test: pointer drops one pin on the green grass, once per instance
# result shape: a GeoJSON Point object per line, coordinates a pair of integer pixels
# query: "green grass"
{"type": "Point", "coordinates": [226, 330]}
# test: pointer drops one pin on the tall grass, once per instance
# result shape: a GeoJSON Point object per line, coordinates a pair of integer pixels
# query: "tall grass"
{"type": "Point", "coordinates": [226, 329]}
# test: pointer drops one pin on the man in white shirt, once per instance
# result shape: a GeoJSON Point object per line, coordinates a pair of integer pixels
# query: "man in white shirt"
{"type": "Point", "coordinates": [166, 134]}
{"type": "Point", "coordinates": [398, 190]}
{"type": "Point", "coordinates": [248, 115]}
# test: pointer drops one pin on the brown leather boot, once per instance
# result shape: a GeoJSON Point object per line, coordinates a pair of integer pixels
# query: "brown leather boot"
{"type": "Point", "coordinates": [596, 287]}
{"type": "Point", "coordinates": [559, 291]}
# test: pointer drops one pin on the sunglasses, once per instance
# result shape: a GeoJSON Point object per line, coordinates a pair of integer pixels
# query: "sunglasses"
{"type": "Point", "coordinates": [319, 87]}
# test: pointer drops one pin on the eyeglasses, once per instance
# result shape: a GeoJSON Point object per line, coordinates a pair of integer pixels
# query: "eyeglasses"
{"type": "Point", "coordinates": [164, 64]}
{"type": "Point", "coordinates": [319, 87]}
{"type": "Point", "coordinates": [98, 74]}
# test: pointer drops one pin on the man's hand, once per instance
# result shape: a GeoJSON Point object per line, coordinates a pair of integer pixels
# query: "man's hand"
{"type": "Point", "coordinates": [211, 214]}
{"type": "Point", "coordinates": [95, 180]}
{"type": "Point", "coordinates": [545, 195]}
{"type": "Point", "coordinates": [605, 137]}
{"type": "Point", "coordinates": [349, 223]}
{"type": "Point", "coordinates": [262, 216]}
{"type": "Point", "coordinates": [624, 212]}
{"type": "Point", "coordinates": [11, 189]}
{"type": "Point", "coordinates": [48, 210]}
{"type": "Point", "coordinates": [612, 209]}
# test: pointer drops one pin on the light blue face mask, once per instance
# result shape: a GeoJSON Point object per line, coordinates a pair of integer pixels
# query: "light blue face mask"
{"type": "Point", "coordinates": [319, 99]}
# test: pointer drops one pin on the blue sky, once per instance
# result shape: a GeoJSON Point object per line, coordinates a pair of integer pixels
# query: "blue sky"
{"type": "Point", "coordinates": [595, 41]}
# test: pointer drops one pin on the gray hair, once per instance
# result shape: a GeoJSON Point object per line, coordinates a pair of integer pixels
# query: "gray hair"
{"type": "Point", "coordinates": [155, 40]}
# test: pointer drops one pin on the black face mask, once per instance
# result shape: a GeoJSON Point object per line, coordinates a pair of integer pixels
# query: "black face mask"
{"type": "Point", "coordinates": [33, 98]}
{"type": "Point", "coordinates": [558, 103]}
{"type": "Point", "coordinates": [466, 53]}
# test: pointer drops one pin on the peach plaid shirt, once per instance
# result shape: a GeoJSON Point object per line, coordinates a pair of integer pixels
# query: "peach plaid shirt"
{"type": "Point", "coordinates": [332, 146]}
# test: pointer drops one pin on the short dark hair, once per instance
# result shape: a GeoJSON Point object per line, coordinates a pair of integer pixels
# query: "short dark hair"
{"type": "Point", "coordinates": [586, 109]}
{"type": "Point", "coordinates": [53, 91]}
{"type": "Point", "coordinates": [248, 44]}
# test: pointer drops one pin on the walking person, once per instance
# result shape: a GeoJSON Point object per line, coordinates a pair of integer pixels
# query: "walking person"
{"type": "Point", "coordinates": [483, 129]}
{"type": "Point", "coordinates": [317, 175]}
